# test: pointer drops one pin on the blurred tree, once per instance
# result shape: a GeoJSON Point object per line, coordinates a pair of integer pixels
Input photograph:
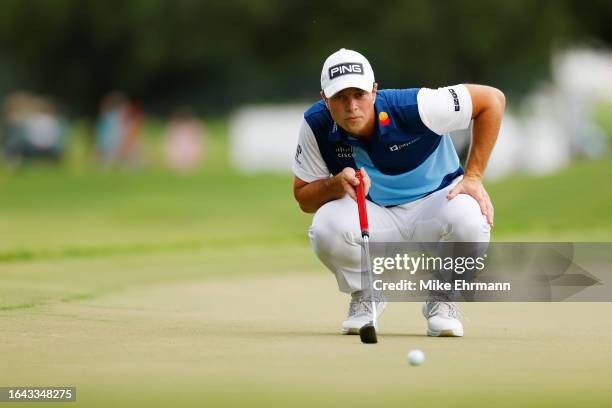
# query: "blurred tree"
{"type": "Point", "coordinates": [216, 54]}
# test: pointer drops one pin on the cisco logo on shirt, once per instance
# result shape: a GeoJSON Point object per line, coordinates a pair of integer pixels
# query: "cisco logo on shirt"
{"type": "Point", "coordinates": [345, 68]}
{"type": "Point", "coordinates": [344, 152]}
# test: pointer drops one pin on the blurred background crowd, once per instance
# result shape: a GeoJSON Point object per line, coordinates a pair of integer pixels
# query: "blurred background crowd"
{"type": "Point", "coordinates": [117, 77]}
{"type": "Point", "coordinates": [35, 129]}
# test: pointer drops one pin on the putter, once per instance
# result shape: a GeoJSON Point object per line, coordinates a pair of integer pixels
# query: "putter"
{"type": "Point", "coordinates": [368, 332]}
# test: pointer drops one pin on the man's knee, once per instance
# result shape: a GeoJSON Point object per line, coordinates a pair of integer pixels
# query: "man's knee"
{"type": "Point", "coordinates": [466, 221]}
{"type": "Point", "coordinates": [333, 228]}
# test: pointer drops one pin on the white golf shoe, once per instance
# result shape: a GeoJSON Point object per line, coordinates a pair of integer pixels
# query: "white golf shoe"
{"type": "Point", "coordinates": [360, 313]}
{"type": "Point", "coordinates": [443, 319]}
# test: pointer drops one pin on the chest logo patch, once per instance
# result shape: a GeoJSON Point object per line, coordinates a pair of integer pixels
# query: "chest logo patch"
{"type": "Point", "coordinates": [395, 147]}
{"type": "Point", "coordinates": [384, 119]}
{"type": "Point", "coordinates": [344, 152]}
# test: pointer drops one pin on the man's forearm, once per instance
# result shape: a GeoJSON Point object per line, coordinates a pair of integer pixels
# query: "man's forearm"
{"type": "Point", "coordinates": [313, 195]}
{"type": "Point", "coordinates": [485, 131]}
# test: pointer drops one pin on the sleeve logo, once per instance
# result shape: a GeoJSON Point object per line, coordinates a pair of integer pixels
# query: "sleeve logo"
{"type": "Point", "coordinates": [455, 99]}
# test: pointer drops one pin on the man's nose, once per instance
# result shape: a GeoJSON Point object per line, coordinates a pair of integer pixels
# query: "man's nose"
{"type": "Point", "coordinates": [351, 104]}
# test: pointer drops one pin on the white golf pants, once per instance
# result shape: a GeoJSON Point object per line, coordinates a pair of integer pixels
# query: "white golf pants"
{"type": "Point", "coordinates": [336, 237]}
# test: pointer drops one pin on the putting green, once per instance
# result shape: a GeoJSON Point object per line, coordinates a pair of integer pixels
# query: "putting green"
{"type": "Point", "coordinates": [193, 334]}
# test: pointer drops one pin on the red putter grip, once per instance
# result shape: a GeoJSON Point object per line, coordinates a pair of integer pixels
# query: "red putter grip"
{"type": "Point", "coordinates": [361, 205]}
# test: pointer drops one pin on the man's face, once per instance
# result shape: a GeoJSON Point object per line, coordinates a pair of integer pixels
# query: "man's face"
{"type": "Point", "coordinates": [353, 110]}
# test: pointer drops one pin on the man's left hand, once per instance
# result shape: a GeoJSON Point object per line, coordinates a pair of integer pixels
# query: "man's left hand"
{"type": "Point", "coordinates": [474, 188]}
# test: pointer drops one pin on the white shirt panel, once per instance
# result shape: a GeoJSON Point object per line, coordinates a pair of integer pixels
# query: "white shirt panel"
{"type": "Point", "coordinates": [308, 164]}
{"type": "Point", "coordinates": [445, 109]}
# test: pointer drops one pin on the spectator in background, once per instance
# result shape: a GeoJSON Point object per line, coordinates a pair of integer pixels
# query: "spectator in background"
{"type": "Point", "coordinates": [109, 128]}
{"type": "Point", "coordinates": [118, 130]}
{"type": "Point", "coordinates": [185, 138]}
{"type": "Point", "coordinates": [33, 129]}
{"type": "Point", "coordinates": [130, 152]}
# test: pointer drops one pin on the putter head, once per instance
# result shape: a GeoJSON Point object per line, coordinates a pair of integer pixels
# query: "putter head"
{"type": "Point", "coordinates": [367, 334]}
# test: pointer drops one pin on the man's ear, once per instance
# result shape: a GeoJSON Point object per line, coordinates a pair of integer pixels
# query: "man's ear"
{"type": "Point", "coordinates": [374, 89]}
{"type": "Point", "coordinates": [324, 99]}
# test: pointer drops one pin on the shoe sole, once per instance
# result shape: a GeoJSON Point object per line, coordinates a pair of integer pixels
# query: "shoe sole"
{"type": "Point", "coordinates": [351, 331]}
{"type": "Point", "coordinates": [445, 333]}
{"type": "Point", "coordinates": [442, 333]}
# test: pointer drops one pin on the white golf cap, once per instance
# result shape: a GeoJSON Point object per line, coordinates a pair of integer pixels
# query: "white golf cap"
{"type": "Point", "coordinates": [346, 69]}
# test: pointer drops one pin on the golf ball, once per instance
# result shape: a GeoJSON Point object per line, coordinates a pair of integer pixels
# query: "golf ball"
{"type": "Point", "coordinates": [415, 357]}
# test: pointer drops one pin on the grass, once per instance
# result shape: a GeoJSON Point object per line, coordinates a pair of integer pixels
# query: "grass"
{"type": "Point", "coordinates": [571, 205]}
{"type": "Point", "coordinates": [54, 215]}
{"type": "Point", "coordinates": [148, 288]}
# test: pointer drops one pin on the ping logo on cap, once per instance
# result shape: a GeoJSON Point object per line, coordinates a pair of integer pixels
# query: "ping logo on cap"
{"type": "Point", "coordinates": [345, 68]}
{"type": "Point", "coordinates": [384, 119]}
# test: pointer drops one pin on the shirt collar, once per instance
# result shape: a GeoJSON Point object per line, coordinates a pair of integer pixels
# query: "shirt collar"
{"type": "Point", "coordinates": [336, 133]}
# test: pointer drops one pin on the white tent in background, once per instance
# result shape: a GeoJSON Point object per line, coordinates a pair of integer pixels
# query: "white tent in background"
{"type": "Point", "coordinates": [264, 138]}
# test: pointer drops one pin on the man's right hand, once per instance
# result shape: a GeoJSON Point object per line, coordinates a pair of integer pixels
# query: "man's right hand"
{"type": "Point", "coordinates": [347, 181]}
{"type": "Point", "coordinates": [311, 196]}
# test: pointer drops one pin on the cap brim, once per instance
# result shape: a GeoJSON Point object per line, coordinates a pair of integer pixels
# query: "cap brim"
{"type": "Point", "coordinates": [350, 81]}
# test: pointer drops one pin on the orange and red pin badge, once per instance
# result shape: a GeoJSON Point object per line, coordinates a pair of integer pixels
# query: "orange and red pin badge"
{"type": "Point", "coordinates": [384, 118]}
